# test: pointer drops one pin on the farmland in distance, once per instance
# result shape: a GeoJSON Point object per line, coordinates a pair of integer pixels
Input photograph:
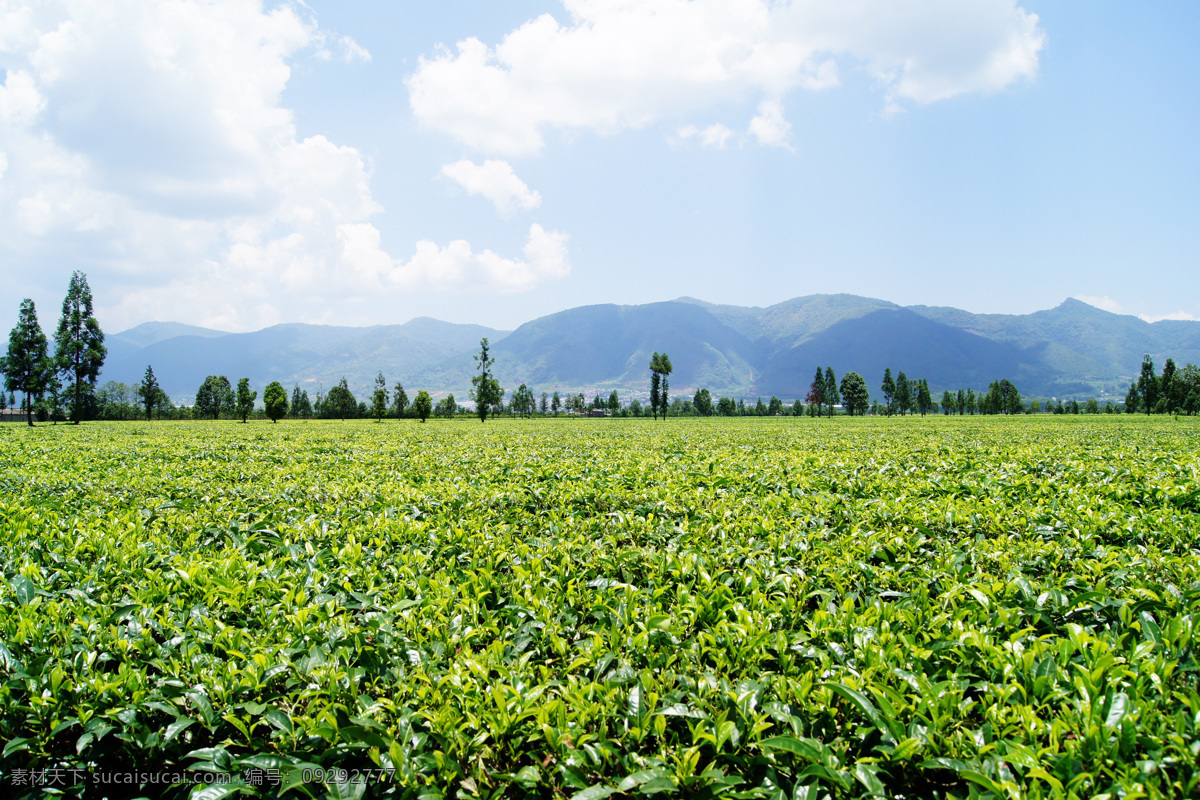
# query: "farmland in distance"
{"type": "Point", "coordinates": [950, 607]}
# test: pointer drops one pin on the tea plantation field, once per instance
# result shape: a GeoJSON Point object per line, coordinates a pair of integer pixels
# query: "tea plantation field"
{"type": "Point", "coordinates": [775, 608]}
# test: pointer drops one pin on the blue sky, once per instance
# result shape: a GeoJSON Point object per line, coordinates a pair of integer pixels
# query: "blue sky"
{"type": "Point", "coordinates": [235, 163]}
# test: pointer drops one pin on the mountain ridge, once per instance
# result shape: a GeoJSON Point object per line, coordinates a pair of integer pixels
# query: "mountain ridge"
{"type": "Point", "coordinates": [1073, 349]}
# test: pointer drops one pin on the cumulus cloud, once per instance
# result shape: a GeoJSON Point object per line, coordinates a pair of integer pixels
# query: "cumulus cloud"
{"type": "Point", "coordinates": [715, 135]}
{"type": "Point", "coordinates": [496, 181]}
{"type": "Point", "coordinates": [150, 143]}
{"type": "Point", "coordinates": [619, 64]}
{"type": "Point", "coordinates": [769, 127]}
{"type": "Point", "coordinates": [456, 264]}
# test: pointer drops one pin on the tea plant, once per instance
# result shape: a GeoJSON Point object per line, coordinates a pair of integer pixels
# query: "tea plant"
{"type": "Point", "coordinates": [712, 608]}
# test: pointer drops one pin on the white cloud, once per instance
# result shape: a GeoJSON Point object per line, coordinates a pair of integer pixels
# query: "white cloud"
{"type": "Point", "coordinates": [621, 64]}
{"type": "Point", "coordinates": [149, 144]}
{"type": "Point", "coordinates": [1174, 315]}
{"type": "Point", "coordinates": [769, 127]}
{"type": "Point", "coordinates": [496, 181]}
{"type": "Point", "coordinates": [715, 135]}
{"type": "Point", "coordinates": [1104, 303]}
{"type": "Point", "coordinates": [457, 265]}
{"type": "Point", "coordinates": [353, 52]}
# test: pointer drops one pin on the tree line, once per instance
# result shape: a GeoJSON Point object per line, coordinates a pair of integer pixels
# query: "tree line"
{"type": "Point", "coordinates": [1175, 391]}
{"type": "Point", "coordinates": [61, 385]}
{"type": "Point", "coordinates": [46, 379]}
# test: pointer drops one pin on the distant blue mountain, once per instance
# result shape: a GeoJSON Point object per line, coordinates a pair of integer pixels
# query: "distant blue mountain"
{"type": "Point", "coordinates": [1071, 350]}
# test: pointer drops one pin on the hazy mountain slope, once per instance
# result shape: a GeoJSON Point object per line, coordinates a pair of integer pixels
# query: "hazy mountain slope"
{"type": "Point", "coordinates": [1071, 350]}
{"type": "Point", "coordinates": [609, 346]}
{"type": "Point", "coordinates": [311, 355]}
{"type": "Point", "coordinates": [150, 332]}
{"type": "Point", "coordinates": [904, 341]}
{"type": "Point", "coordinates": [786, 324]}
{"type": "Point", "coordinates": [1079, 341]}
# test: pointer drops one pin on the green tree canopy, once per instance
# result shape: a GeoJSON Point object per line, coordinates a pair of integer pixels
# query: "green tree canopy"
{"type": "Point", "coordinates": [27, 366]}
{"type": "Point", "coordinates": [660, 398]}
{"type": "Point", "coordinates": [523, 402]}
{"type": "Point", "coordinates": [379, 398]}
{"type": "Point", "coordinates": [301, 405]}
{"type": "Point", "coordinates": [832, 398]}
{"type": "Point", "coordinates": [904, 394]}
{"type": "Point", "coordinates": [655, 390]}
{"type": "Point", "coordinates": [854, 394]}
{"type": "Point", "coordinates": [924, 398]}
{"type": "Point", "coordinates": [889, 390]}
{"type": "Point", "coordinates": [79, 345]}
{"type": "Point", "coordinates": [949, 403]}
{"type": "Point", "coordinates": [446, 407]}
{"type": "Point", "coordinates": [1147, 384]}
{"type": "Point", "coordinates": [340, 403]}
{"type": "Point", "coordinates": [245, 398]}
{"type": "Point", "coordinates": [485, 391]}
{"type": "Point", "coordinates": [423, 405]}
{"type": "Point", "coordinates": [275, 401]}
{"type": "Point", "coordinates": [214, 396]}
{"type": "Point", "coordinates": [149, 391]}
{"type": "Point", "coordinates": [1132, 399]}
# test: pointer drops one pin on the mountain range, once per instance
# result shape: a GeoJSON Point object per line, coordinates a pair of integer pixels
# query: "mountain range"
{"type": "Point", "coordinates": [1072, 350]}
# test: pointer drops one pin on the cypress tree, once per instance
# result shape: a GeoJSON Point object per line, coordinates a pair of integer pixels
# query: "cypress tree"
{"type": "Point", "coordinates": [79, 344]}
{"type": "Point", "coordinates": [27, 367]}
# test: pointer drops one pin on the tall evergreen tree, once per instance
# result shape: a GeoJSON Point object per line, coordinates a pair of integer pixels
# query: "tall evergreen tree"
{"type": "Point", "coordinates": [889, 390]}
{"type": "Point", "coordinates": [79, 345]}
{"type": "Point", "coordinates": [1132, 398]}
{"type": "Point", "coordinates": [27, 367]}
{"type": "Point", "coordinates": [815, 399]}
{"type": "Point", "coordinates": [924, 398]}
{"type": "Point", "coordinates": [962, 402]}
{"type": "Point", "coordinates": [379, 398]}
{"type": "Point", "coordinates": [660, 368]}
{"type": "Point", "coordinates": [1010, 398]}
{"type": "Point", "coordinates": [1147, 385]}
{"type": "Point", "coordinates": [486, 391]}
{"type": "Point", "coordinates": [816, 393]}
{"type": "Point", "coordinates": [149, 391]}
{"type": "Point", "coordinates": [831, 391]}
{"type": "Point", "coordinates": [1168, 387]}
{"type": "Point", "coordinates": [664, 399]}
{"type": "Point", "coordinates": [904, 398]}
{"type": "Point", "coordinates": [245, 398]}
{"type": "Point", "coordinates": [949, 403]}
